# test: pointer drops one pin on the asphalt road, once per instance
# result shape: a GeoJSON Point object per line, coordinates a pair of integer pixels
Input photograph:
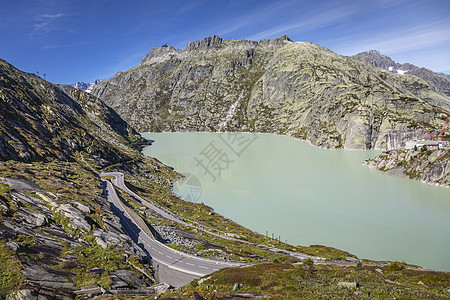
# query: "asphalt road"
{"type": "Point", "coordinates": [170, 259]}
{"type": "Point", "coordinates": [118, 180]}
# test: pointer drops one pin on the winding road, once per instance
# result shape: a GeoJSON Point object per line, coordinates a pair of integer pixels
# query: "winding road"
{"type": "Point", "coordinates": [170, 259]}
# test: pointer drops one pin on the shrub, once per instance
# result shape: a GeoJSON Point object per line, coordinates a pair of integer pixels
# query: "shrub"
{"type": "Point", "coordinates": [309, 264]}
{"type": "Point", "coordinates": [396, 266]}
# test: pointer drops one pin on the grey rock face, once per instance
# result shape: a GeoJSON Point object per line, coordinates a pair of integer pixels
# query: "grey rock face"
{"type": "Point", "coordinates": [376, 59]}
{"type": "Point", "coordinates": [76, 217]}
{"type": "Point", "coordinates": [23, 295]}
{"type": "Point", "coordinates": [42, 120]}
{"type": "Point", "coordinates": [278, 86]}
{"type": "Point", "coordinates": [432, 168]}
{"type": "Point", "coordinates": [39, 250]}
{"type": "Point", "coordinates": [209, 42]}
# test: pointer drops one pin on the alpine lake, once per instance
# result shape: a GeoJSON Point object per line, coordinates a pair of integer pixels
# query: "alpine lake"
{"type": "Point", "coordinates": [305, 195]}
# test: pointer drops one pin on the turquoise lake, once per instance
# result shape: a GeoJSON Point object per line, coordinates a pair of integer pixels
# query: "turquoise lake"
{"type": "Point", "coordinates": [307, 195]}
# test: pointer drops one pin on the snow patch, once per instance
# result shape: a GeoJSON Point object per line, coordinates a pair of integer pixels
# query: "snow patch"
{"type": "Point", "coordinates": [401, 72]}
{"type": "Point", "coordinates": [87, 87]}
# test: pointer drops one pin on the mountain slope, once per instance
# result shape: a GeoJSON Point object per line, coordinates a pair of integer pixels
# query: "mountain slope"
{"type": "Point", "coordinates": [60, 237]}
{"type": "Point", "coordinates": [298, 89]}
{"type": "Point", "coordinates": [39, 120]}
{"type": "Point", "coordinates": [376, 59]}
{"type": "Point", "coordinates": [57, 231]}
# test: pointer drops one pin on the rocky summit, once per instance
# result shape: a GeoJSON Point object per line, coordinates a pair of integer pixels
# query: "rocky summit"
{"type": "Point", "coordinates": [279, 86]}
{"type": "Point", "coordinates": [374, 58]}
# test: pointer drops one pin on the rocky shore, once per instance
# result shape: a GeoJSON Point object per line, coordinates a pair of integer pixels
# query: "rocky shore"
{"type": "Point", "coordinates": [428, 166]}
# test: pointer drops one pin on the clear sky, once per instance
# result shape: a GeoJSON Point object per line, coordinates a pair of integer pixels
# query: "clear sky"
{"type": "Point", "coordinates": [82, 40]}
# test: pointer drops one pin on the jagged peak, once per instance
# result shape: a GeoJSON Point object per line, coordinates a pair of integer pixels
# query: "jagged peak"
{"type": "Point", "coordinates": [206, 43]}
{"type": "Point", "coordinates": [158, 51]}
{"type": "Point", "coordinates": [372, 52]}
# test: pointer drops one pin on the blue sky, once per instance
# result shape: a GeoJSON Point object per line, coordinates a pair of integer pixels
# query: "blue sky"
{"type": "Point", "coordinates": [84, 40]}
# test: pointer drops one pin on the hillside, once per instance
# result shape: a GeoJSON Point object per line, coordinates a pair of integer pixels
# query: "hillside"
{"type": "Point", "coordinates": [60, 238]}
{"type": "Point", "coordinates": [294, 88]}
{"type": "Point", "coordinates": [39, 120]}
{"type": "Point", "coordinates": [57, 231]}
{"type": "Point", "coordinates": [376, 59]}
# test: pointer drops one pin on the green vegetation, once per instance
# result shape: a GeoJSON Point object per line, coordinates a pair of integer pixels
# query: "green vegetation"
{"type": "Point", "coordinates": [63, 182]}
{"type": "Point", "coordinates": [288, 281]}
{"type": "Point", "coordinates": [11, 279]}
{"type": "Point", "coordinates": [325, 252]}
{"type": "Point", "coordinates": [94, 256]}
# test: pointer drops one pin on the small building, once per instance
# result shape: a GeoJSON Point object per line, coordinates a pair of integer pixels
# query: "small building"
{"type": "Point", "coordinates": [430, 144]}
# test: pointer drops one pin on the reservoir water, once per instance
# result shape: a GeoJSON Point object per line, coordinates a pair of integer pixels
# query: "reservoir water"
{"type": "Point", "coordinates": [306, 195]}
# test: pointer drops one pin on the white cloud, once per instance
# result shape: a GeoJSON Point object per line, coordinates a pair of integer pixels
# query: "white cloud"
{"type": "Point", "coordinates": [43, 22]}
{"type": "Point", "coordinates": [406, 40]}
{"type": "Point", "coordinates": [318, 20]}
{"type": "Point", "coordinates": [124, 63]}
{"type": "Point", "coordinates": [260, 15]}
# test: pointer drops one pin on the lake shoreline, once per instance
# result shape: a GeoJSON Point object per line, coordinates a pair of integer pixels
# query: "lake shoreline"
{"type": "Point", "coordinates": [224, 207]}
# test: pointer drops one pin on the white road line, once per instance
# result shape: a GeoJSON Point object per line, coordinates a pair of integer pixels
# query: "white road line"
{"type": "Point", "coordinates": [169, 256]}
{"type": "Point", "coordinates": [203, 267]}
{"type": "Point", "coordinates": [190, 264]}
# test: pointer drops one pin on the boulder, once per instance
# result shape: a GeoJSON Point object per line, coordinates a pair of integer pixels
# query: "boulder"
{"type": "Point", "coordinates": [76, 217]}
{"type": "Point", "coordinates": [83, 207]}
{"type": "Point", "coordinates": [162, 288]}
{"type": "Point", "coordinates": [349, 285]}
{"type": "Point", "coordinates": [13, 246]}
{"type": "Point", "coordinates": [129, 277]}
{"type": "Point", "coordinates": [23, 295]}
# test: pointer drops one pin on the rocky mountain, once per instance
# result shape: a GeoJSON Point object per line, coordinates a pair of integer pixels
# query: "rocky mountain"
{"type": "Point", "coordinates": [58, 233]}
{"type": "Point", "coordinates": [280, 86]}
{"type": "Point", "coordinates": [429, 166]}
{"type": "Point", "coordinates": [87, 87]}
{"type": "Point", "coordinates": [61, 239]}
{"type": "Point", "coordinates": [376, 59]}
{"type": "Point", "coordinates": [40, 120]}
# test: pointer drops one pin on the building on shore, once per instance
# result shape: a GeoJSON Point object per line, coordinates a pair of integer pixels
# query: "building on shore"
{"type": "Point", "coordinates": [430, 144]}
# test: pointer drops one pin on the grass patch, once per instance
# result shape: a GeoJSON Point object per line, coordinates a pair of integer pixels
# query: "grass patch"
{"type": "Point", "coordinates": [288, 281]}
{"type": "Point", "coordinates": [11, 279]}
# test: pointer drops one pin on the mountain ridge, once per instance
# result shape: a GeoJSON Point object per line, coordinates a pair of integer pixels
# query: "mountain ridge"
{"type": "Point", "coordinates": [374, 58]}
{"type": "Point", "coordinates": [87, 87]}
{"type": "Point", "coordinates": [294, 88]}
{"type": "Point", "coordinates": [40, 120]}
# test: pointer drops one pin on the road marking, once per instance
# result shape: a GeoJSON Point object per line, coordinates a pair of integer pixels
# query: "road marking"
{"type": "Point", "coordinates": [190, 264]}
{"type": "Point", "coordinates": [203, 267]}
{"type": "Point", "coordinates": [169, 256]}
